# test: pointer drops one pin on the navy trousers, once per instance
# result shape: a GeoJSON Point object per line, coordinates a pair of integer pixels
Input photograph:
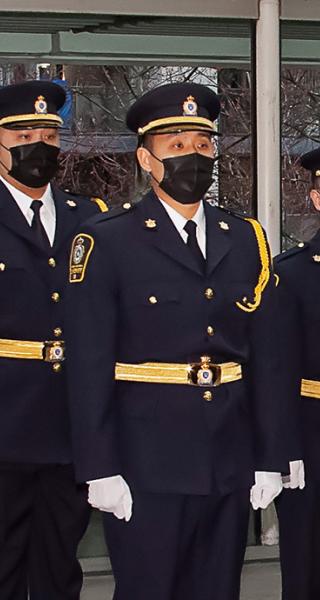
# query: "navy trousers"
{"type": "Point", "coordinates": [179, 547]}
{"type": "Point", "coordinates": [299, 527]}
{"type": "Point", "coordinates": [43, 516]}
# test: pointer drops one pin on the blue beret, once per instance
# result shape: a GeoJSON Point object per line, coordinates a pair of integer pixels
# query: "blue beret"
{"type": "Point", "coordinates": [174, 106]}
{"type": "Point", "coordinates": [31, 104]}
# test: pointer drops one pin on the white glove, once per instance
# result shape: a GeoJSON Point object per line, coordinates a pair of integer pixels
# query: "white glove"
{"type": "Point", "coordinates": [111, 494]}
{"type": "Point", "coordinates": [267, 487]}
{"type": "Point", "coordinates": [296, 478]}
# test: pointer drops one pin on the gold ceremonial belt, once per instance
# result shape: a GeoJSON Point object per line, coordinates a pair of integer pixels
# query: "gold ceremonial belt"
{"type": "Point", "coordinates": [49, 351]}
{"type": "Point", "coordinates": [204, 373]}
{"type": "Point", "coordinates": [310, 388]}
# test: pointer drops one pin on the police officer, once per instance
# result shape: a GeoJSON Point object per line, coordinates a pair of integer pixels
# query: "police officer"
{"type": "Point", "coordinates": [173, 365]}
{"type": "Point", "coordinates": [43, 514]}
{"type": "Point", "coordinates": [299, 511]}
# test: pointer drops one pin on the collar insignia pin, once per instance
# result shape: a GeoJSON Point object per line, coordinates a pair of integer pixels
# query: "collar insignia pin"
{"type": "Point", "coordinates": [316, 258]}
{"type": "Point", "coordinates": [151, 224]}
{"type": "Point", "coordinates": [224, 225]}
{"type": "Point", "coordinates": [71, 203]}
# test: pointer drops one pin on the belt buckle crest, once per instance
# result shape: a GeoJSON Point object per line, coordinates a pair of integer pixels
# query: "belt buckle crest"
{"type": "Point", "coordinates": [54, 351]}
{"type": "Point", "coordinates": [205, 373]}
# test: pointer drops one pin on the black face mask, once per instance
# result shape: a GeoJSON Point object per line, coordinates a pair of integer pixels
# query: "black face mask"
{"type": "Point", "coordinates": [35, 164]}
{"type": "Point", "coordinates": [186, 178]}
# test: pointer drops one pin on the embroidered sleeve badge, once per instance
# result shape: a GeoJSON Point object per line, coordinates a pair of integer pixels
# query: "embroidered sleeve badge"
{"type": "Point", "coordinates": [82, 247]}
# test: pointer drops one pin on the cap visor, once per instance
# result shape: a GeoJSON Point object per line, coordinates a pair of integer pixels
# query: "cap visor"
{"type": "Point", "coordinates": [25, 121]}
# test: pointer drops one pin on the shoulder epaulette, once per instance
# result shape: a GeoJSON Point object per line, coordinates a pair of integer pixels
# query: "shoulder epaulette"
{"type": "Point", "coordinates": [233, 213]}
{"type": "Point", "coordinates": [125, 209]}
{"type": "Point", "coordinates": [100, 203]}
{"type": "Point", "coordinates": [73, 194]}
{"type": "Point", "coordinates": [292, 252]}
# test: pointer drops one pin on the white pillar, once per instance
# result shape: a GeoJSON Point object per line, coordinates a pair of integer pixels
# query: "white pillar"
{"type": "Point", "coordinates": [268, 120]}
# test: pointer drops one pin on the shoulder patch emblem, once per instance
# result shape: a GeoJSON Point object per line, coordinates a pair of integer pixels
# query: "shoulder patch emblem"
{"type": "Point", "coordinates": [82, 247]}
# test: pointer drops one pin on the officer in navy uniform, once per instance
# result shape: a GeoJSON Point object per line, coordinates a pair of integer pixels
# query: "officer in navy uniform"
{"type": "Point", "coordinates": [299, 511]}
{"type": "Point", "coordinates": [43, 513]}
{"type": "Point", "coordinates": [173, 365]}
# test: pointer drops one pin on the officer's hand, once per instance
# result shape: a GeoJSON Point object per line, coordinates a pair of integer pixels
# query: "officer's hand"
{"type": "Point", "coordinates": [296, 478]}
{"type": "Point", "coordinates": [267, 487]}
{"type": "Point", "coordinates": [111, 494]}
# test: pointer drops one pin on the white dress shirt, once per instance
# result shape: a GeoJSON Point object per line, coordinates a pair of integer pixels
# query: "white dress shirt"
{"type": "Point", "coordinates": [179, 222]}
{"type": "Point", "coordinates": [47, 210]}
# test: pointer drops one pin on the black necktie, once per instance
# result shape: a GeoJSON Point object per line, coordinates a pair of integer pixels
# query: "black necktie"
{"type": "Point", "coordinates": [191, 228]}
{"type": "Point", "coordinates": [37, 227]}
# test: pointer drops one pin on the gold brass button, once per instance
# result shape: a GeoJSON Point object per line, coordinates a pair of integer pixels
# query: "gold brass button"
{"type": "Point", "coordinates": [2, 266]}
{"type": "Point", "coordinates": [209, 293]}
{"type": "Point", "coordinates": [57, 367]}
{"type": "Point", "coordinates": [153, 300]}
{"type": "Point", "coordinates": [301, 245]}
{"type": "Point", "coordinates": [210, 330]}
{"type": "Point", "coordinates": [52, 262]}
{"type": "Point", "coordinates": [126, 205]}
{"type": "Point", "coordinates": [57, 332]}
{"type": "Point", "coordinates": [55, 296]}
{"type": "Point", "coordinates": [207, 396]}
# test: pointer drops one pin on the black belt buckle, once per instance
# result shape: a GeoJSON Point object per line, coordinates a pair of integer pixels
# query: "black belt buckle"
{"type": "Point", "coordinates": [205, 373]}
{"type": "Point", "coordinates": [54, 352]}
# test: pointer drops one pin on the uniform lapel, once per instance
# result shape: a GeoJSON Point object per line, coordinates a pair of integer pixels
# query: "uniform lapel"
{"type": "Point", "coordinates": [12, 217]}
{"type": "Point", "coordinates": [218, 237]}
{"type": "Point", "coordinates": [162, 233]}
{"type": "Point", "coordinates": [313, 249]}
{"type": "Point", "coordinates": [67, 216]}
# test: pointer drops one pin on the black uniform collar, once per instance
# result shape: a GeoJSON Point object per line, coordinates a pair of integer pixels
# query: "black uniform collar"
{"type": "Point", "coordinates": [162, 233]}
{"type": "Point", "coordinates": [68, 216]}
{"type": "Point", "coordinates": [12, 217]}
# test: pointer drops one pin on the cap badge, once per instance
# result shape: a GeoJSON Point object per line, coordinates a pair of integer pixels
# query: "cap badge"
{"type": "Point", "coordinates": [151, 224]}
{"type": "Point", "coordinates": [41, 106]}
{"type": "Point", "coordinates": [71, 203]}
{"type": "Point", "coordinates": [190, 107]}
{"type": "Point", "coordinates": [316, 258]}
{"type": "Point", "coordinates": [224, 225]}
